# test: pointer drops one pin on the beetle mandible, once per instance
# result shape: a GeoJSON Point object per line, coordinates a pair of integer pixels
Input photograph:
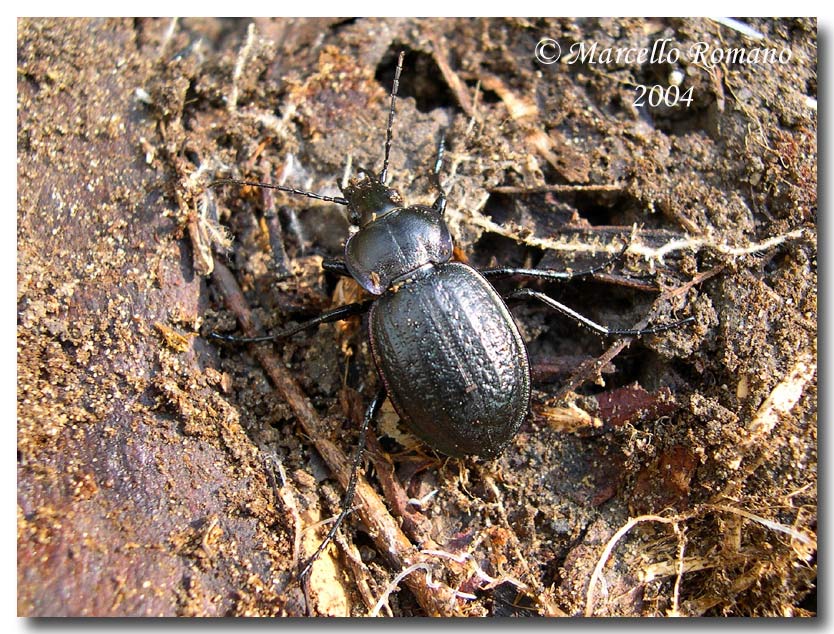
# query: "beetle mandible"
{"type": "Point", "coordinates": [448, 352]}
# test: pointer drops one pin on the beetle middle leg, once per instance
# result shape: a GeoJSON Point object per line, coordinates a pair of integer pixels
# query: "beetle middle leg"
{"type": "Point", "coordinates": [527, 293]}
{"type": "Point", "coordinates": [547, 274]}
{"type": "Point", "coordinates": [347, 500]}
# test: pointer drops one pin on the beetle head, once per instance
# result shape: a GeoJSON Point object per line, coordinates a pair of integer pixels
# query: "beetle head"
{"type": "Point", "coordinates": [368, 199]}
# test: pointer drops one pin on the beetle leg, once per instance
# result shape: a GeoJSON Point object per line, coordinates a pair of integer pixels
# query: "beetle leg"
{"type": "Point", "coordinates": [547, 274]}
{"type": "Point", "coordinates": [440, 203]}
{"type": "Point", "coordinates": [347, 500]}
{"type": "Point", "coordinates": [336, 266]}
{"type": "Point", "coordinates": [337, 314]}
{"type": "Point", "coordinates": [523, 293]}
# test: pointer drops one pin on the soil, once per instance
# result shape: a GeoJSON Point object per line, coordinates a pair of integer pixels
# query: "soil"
{"type": "Point", "coordinates": [163, 473]}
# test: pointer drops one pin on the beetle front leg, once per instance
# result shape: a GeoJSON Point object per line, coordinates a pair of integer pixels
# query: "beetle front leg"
{"type": "Point", "coordinates": [525, 293]}
{"type": "Point", "coordinates": [337, 314]}
{"type": "Point", "coordinates": [336, 266]}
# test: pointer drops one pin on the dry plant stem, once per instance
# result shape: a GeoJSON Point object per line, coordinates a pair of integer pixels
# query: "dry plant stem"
{"type": "Point", "coordinates": [693, 608]}
{"type": "Point", "coordinates": [784, 396]}
{"type": "Point", "coordinates": [286, 492]}
{"type": "Point", "coordinates": [358, 570]}
{"type": "Point", "coordinates": [383, 529]}
{"type": "Point", "coordinates": [592, 367]}
{"type": "Point", "coordinates": [455, 83]}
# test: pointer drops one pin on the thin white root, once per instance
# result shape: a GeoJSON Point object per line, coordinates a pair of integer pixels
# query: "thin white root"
{"type": "Point", "coordinates": [695, 244]}
{"type": "Point", "coordinates": [676, 594]}
{"type": "Point", "coordinates": [590, 597]}
{"type": "Point", "coordinates": [649, 253]}
{"type": "Point", "coordinates": [383, 600]}
{"type": "Point", "coordinates": [479, 572]}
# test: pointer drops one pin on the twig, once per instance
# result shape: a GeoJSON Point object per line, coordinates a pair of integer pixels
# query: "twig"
{"type": "Point", "coordinates": [414, 524]}
{"type": "Point", "coordinates": [358, 569]}
{"type": "Point", "coordinates": [436, 600]}
{"type": "Point", "coordinates": [455, 83]}
{"type": "Point", "coordinates": [593, 367]}
{"type": "Point", "coordinates": [697, 279]}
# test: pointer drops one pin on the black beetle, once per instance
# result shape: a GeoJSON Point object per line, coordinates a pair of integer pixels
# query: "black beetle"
{"type": "Point", "coordinates": [446, 347]}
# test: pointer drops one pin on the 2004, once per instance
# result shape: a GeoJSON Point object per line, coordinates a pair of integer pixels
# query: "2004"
{"type": "Point", "coordinates": [656, 95]}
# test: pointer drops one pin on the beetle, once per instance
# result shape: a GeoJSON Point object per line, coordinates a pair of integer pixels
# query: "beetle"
{"type": "Point", "coordinates": [447, 350]}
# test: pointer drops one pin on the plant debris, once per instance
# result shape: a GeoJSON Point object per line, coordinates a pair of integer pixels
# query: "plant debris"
{"type": "Point", "coordinates": [162, 474]}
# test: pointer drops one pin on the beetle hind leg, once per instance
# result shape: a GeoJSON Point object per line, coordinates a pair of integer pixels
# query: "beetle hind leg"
{"type": "Point", "coordinates": [350, 490]}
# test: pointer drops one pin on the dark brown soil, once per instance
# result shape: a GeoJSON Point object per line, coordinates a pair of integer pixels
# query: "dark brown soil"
{"type": "Point", "coordinates": [162, 474]}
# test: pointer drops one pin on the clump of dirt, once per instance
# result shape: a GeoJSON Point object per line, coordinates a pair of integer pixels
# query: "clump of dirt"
{"type": "Point", "coordinates": [160, 472]}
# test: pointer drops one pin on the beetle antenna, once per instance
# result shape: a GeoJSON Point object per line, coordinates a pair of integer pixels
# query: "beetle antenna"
{"type": "Point", "coordinates": [383, 176]}
{"type": "Point", "coordinates": [290, 190]}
